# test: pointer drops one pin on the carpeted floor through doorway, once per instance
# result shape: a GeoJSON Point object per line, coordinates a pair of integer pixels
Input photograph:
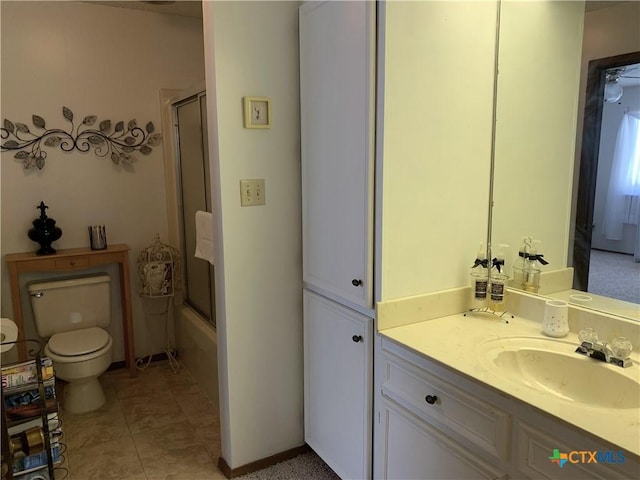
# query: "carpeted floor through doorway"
{"type": "Point", "coordinates": [614, 275]}
{"type": "Point", "coordinates": [307, 466]}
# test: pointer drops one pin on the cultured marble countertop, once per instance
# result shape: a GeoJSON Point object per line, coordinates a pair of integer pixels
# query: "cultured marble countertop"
{"type": "Point", "coordinates": [455, 341]}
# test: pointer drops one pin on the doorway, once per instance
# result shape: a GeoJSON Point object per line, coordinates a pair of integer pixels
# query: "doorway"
{"type": "Point", "coordinates": [588, 175]}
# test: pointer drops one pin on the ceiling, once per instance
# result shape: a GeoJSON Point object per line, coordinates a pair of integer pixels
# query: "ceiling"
{"type": "Point", "coordinates": [189, 8]}
{"type": "Point", "coordinates": [592, 5]}
{"type": "Point", "coordinates": [185, 8]}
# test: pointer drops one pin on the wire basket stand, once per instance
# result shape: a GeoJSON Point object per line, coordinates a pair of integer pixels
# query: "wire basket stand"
{"type": "Point", "coordinates": [160, 274]}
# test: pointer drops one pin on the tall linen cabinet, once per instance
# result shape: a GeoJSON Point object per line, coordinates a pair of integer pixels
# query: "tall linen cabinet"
{"type": "Point", "coordinates": [337, 91]}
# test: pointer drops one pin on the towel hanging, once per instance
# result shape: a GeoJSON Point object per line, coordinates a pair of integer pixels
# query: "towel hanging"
{"type": "Point", "coordinates": [204, 236]}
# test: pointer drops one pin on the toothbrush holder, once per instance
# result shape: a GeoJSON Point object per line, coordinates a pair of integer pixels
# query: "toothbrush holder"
{"type": "Point", "coordinates": [556, 318]}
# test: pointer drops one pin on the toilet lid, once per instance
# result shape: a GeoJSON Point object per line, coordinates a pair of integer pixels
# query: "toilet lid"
{"type": "Point", "coordinates": [78, 342]}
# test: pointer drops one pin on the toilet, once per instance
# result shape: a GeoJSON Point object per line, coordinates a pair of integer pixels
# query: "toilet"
{"type": "Point", "coordinates": [72, 313]}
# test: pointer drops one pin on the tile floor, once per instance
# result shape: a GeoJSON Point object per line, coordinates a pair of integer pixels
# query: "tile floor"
{"type": "Point", "coordinates": [158, 426]}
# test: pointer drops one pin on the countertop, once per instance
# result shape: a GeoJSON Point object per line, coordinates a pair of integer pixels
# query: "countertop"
{"type": "Point", "coordinates": [598, 302]}
{"type": "Point", "coordinates": [455, 340]}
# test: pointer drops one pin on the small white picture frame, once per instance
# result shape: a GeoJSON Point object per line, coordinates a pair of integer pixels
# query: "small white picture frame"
{"type": "Point", "coordinates": [257, 112]}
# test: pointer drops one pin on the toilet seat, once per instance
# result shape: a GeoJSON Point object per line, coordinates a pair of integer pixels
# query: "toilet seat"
{"type": "Point", "coordinates": [76, 343]}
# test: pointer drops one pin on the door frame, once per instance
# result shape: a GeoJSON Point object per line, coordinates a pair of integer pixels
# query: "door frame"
{"type": "Point", "coordinates": [587, 181]}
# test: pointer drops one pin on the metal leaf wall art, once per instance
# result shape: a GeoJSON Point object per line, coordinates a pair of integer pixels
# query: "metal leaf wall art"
{"type": "Point", "coordinates": [117, 141]}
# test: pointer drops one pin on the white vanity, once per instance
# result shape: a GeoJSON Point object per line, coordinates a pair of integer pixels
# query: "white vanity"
{"type": "Point", "coordinates": [477, 396]}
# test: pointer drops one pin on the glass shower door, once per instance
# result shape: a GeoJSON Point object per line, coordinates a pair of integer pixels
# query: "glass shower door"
{"type": "Point", "coordinates": [194, 195]}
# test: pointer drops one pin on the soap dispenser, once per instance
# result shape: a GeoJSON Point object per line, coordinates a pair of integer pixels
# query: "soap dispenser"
{"type": "Point", "coordinates": [479, 279]}
{"type": "Point", "coordinates": [532, 269]}
{"type": "Point", "coordinates": [519, 264]}
{"type": "Point", "coordinates": [498, 278]}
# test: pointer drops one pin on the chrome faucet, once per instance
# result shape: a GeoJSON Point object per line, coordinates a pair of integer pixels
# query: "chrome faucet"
{"type": "Point", "coordinates": [617, 354]}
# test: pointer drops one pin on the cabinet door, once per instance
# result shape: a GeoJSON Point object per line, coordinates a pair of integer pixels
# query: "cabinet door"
{"type": "Point", "coordinates": [337, 385]}
{"type": "Point", "coordinates": [539, 454]}
{"type": "Point", "coordinates": [414, 449]}
{"type": "Point", "coordinates": [337, 90]}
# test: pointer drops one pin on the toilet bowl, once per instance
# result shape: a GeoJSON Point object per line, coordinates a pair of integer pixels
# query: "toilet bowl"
{"type": "Point", "coordinates": [79, 357]}
{"type": "Point", "coordinates": [73, 313]}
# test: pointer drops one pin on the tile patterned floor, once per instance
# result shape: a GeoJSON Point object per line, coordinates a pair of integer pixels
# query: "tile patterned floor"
{"type": "Point", "coordinates": [158, 426]}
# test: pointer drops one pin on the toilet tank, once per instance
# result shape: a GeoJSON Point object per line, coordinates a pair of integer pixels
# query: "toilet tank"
{"type": "Point", "coordinates": [70, 303]}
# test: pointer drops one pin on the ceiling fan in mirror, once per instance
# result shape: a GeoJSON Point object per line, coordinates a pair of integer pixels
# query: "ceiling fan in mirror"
{"type": "Point", "coordinates": [618, 77]}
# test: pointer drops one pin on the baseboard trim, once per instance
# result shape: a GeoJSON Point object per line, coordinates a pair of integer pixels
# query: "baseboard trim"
{"type": "Point", "coordinates": [260, 464]}
{"type": "Point", "coordinates": [156, 357]}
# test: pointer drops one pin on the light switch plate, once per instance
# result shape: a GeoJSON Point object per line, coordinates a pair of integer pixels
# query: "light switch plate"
{"type": "Point", "coordinates": [252, 192]}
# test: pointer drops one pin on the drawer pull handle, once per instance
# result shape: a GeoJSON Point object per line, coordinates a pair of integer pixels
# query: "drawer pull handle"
{"type": "Point", "coordinates": [356, 282]}
{"type": "Point", "coordinates": [72, 262]}
{"type": "Point", "coordinates": [357, 338]}
{"type": "Point", "coordinates": [431, 399]}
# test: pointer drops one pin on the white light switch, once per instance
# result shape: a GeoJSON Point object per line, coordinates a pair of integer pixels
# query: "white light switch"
{"type": "Point", "coordinates": [252, 192]}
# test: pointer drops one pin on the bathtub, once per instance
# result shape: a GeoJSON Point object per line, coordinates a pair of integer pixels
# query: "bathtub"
{"type": "Point", "coordinates": [197, 346]}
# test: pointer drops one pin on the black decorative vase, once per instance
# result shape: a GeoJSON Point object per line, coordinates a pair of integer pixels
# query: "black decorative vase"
{"type": "Point", "coordinates": [44, 232]}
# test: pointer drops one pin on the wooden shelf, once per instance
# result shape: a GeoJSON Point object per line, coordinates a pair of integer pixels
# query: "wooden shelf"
{"type": "Point", "coordinates": [66, 260]}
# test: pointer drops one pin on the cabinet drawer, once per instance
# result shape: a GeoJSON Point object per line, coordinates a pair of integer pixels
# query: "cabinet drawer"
{"type": "Point", "coordinates": [416, 449]}
{"type": "Point", "coordinates": [468, 418]}
{"type": "Point", "coordinates": [72, 263]}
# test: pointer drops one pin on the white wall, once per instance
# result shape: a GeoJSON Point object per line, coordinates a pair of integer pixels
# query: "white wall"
{"type": "Point", "coordinates": [95, 60]}
{"type": "Point", "coordinates": [438, 91]}
{"type": "Point", "coordinates": [251, 50]}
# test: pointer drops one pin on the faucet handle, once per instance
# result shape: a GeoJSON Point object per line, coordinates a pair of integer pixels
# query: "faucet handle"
{"type": "Point", "coordinates": [621, 347]}
{"type": "Point", "coordinates": [588, 335]}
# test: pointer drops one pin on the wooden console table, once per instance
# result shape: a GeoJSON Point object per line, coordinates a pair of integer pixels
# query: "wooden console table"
{"type": "Point", "coordinates": [69, 260]}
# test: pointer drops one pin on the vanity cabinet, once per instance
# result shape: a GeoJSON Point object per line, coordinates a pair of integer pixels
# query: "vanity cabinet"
{"type": "Point", "coordinates": [435, 423]}
{"type": "Point", "coordinates": [337, 385]}
{"type": "Point", "coordinates": [535, 441]}
{"type": "Point", "coordinates": [416, 449]}
{"type": "Point", "coordinates": [433, 429]}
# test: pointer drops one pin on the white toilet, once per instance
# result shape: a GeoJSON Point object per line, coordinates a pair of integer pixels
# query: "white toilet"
{"type": "Point", "coordinates": [72, 313]}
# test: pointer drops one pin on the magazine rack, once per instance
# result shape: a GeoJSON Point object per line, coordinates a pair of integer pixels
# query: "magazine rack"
{"type": "Point", "coordinates": [41, 411]}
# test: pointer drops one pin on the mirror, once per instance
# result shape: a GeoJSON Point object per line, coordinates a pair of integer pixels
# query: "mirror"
{"type": "Point", "coordinates": [537, 103]}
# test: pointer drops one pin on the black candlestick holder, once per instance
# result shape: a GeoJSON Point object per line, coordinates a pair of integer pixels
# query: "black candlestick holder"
{"type": "Point", "coordinates": [44, 232]}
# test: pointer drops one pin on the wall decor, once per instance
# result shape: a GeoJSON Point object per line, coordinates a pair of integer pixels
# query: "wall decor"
{"type": "Point", "coordinates": [257, 112]}
{"type": "Point", "coordinates": [118, 141]}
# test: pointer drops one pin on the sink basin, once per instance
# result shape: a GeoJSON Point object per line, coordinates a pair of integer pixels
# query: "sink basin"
{"type": "Point", "coordinates": [552, 366]}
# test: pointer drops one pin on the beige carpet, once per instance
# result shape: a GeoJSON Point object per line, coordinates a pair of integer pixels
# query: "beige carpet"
{"type": "Point", "coordinates": [307, 466]}
{"type": "Point", "coordinates": [614, 275]}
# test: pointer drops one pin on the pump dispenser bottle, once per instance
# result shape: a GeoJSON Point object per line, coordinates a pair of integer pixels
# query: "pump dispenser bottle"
{"type": "Point", "coordinates": [518, 266]}
{"type": "Point", "coordinates": [479, 279]}
{"type": "Point", "coordinates": [498, 279]}
{"type": "Point", "coordinates": [531, 280]}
